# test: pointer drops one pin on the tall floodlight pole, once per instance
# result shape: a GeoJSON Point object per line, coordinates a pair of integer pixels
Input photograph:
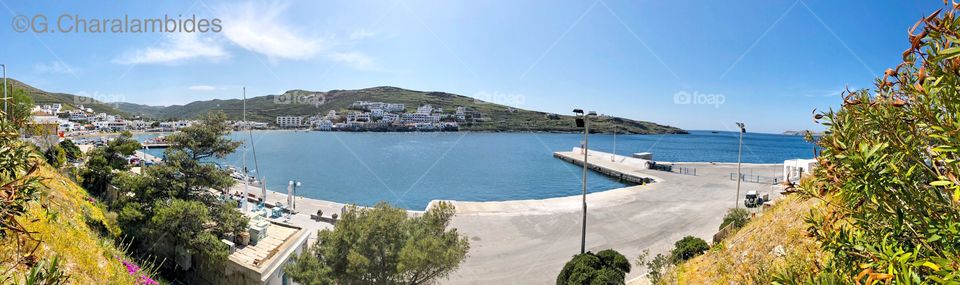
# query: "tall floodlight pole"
{"type": "Point", "coordinates": [739, 153]}
{"type": "Point", "coordinates": [582, 121]}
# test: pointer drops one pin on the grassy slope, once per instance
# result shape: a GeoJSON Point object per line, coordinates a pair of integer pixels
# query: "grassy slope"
{"type": "Point", "coordinates": [748, 256]}
{"type": "Point", "coordinates": [265, 109]}
{"type": "Point", "coordinates": [69, 101]}
{"type": "Point", "coordinates": [87, 257]}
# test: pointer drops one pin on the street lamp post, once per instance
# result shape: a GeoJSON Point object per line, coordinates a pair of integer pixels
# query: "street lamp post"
{"type": "Point", "coordinates": [292, 195]}
{"type": "Point", "coordinates": [584, 122]}
{"type": "Point", "coordinates": [739, 153]}
{"type": "Point", "coordinates": [616, 129]}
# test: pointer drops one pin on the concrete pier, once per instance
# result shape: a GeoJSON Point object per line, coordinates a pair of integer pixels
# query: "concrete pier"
{"type": "Point", "coordinates": [623, 168]}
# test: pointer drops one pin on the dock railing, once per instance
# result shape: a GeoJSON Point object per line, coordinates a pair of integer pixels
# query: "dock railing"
{"type": "Point", "coordinates": [675, 169]}
{"type": "Point", "coordinates": [757, 178]}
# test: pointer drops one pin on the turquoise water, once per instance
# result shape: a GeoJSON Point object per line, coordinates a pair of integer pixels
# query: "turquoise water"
{"type": "Point", "coordinates": [410, 169]}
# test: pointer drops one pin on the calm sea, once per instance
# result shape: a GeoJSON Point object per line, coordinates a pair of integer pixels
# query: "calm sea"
{"type": "Point", "coordinates": [410, 169]}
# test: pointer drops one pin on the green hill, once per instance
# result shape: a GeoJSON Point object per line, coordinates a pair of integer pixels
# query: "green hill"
{"type": "Point", "coordinates": [305, 103]}
{"type": "Point", "coordinates": [69, 101]}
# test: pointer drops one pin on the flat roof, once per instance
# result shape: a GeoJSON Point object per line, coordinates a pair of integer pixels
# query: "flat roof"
{"type": "Point", "coordinates": [279, 238]}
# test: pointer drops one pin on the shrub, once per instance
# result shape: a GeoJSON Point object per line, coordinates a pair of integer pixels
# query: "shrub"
{"type": "Point", "coordinates": [604, 267]}
{"type": "Point", "coordinates": [656, 267]}
{"type": "Point", "coordinates": [737, 216]}
{"type": "Point", "coordinates": [688, 247]}
{"type": "Point", "coordinates": [889, 165]}
{"type": "Point", "coordinates": [55, 156]}
{"type": "Point", "coordinates": [72, 150]}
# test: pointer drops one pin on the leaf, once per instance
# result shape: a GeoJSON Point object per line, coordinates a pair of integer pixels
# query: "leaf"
{"type": "Point", "coordinates": [943, 183]}
{"type": "Point", "coordinates": [947, 54]}
{"type": "Point", "coordinates": [933, 238]}
{"type": "Point", "coordinates": [931, 265]}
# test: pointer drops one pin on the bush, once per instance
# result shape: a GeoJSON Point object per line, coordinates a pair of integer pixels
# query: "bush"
{"type": "Point", "coordinates": [72, 150]}
{"type": "Point", "coordinates": [888, 167]}
{"type": "Point", "coordinates": [604, 267]}
{"type": "Point", "coordinates": [688, 247]}
{"type": "Point", "coordinates": [656, 267]}
{"type": "Point", "coordinates": [737, 216]}
{"type": "Point", "coordinates": [55, 156]}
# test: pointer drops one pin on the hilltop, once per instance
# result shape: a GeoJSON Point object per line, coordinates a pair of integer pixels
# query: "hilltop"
{"type": "Point", "coordinates": [68, 101]}
{"type": "Point", "coordinates": [305, 103]}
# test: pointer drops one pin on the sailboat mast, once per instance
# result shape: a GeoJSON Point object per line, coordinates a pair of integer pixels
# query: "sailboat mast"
{"type": "Point", "coordinates": [246, 181]}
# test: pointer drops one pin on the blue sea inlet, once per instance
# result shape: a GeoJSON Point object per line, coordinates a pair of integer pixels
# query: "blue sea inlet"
{"type": "Point", "coordinates": [411, 169]}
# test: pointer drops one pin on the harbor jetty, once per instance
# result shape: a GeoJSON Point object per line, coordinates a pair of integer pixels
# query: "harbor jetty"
{"type": "Point", "coordinates": [623, 168]}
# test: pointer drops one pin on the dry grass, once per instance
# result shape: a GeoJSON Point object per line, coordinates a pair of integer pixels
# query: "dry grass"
{"type": "Point", "coordinates": [65, 232]}
{"type": "Point", "coordinates": [749, 257]}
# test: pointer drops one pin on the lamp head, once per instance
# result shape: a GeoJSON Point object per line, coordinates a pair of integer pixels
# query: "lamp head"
{"type": "Point", "coordinates": [578, 111]}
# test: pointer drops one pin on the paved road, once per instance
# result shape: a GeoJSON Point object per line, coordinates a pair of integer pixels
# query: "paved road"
{"type": "Point", "coordinates": [527, 242]}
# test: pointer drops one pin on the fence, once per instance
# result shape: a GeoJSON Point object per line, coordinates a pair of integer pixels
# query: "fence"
{"type": "Point", "coordinates": [675, 169]}
{"type": "Point", "coordinates": [757, 178]}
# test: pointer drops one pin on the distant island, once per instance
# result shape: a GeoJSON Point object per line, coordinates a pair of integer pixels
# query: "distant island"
{"type": "Point", "coordinates": [308, 109]}
{"type": "Point", "coordinates": [801, 133]}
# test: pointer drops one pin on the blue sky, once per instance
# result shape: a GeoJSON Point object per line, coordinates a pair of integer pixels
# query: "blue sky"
{"type": "Point", "coordinates": [766, 63]}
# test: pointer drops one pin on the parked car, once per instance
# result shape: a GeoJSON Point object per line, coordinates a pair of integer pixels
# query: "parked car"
{"type": "Point", "coordinates": [752, 199]}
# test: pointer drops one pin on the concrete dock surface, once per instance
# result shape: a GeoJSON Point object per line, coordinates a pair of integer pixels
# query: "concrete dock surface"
{"type": "Point", "coordinates": [528, 241]}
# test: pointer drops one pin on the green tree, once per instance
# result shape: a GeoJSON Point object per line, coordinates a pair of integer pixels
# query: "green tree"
{"type": "Point", "coordinates": [71, 149]}
{"type": "Point", "coordinates": [889, 168]}
{"type": "Point", "coordinates": [96, 173]}
{"type": "Point", "coordinates": [736, 216]}
{"type": "Point", "coordinates": [55, 156]}
{"type": "Point", "coordinates": [19, 107]}
{"type": "Point", "coordinates": [168, 209]}
{"type": "Point", "coordinates": [181, 225]}
{"type": "Point", "coordinates": [192, 145]}
{"type": "Point", "coordinates": [688, 247]}
{"type": "Point", "coordinates": [383, 245]}
{"type": "Point", "coordinates": [604, 267]}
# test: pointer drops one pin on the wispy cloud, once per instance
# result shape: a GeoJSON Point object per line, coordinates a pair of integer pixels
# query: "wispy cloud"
{"type": "Point", "coordinates": [202, 88]}
{"type": "Point", "coordinates": [360, 34]}
{"type": "Point", "coordinates": [175, 49]}
{"type": "Point", "coordinates": [354, 59]}
{"type": "Point", "coordinates": [260, 27]}
{"type": "Point", "coordinates": [57, 67]}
